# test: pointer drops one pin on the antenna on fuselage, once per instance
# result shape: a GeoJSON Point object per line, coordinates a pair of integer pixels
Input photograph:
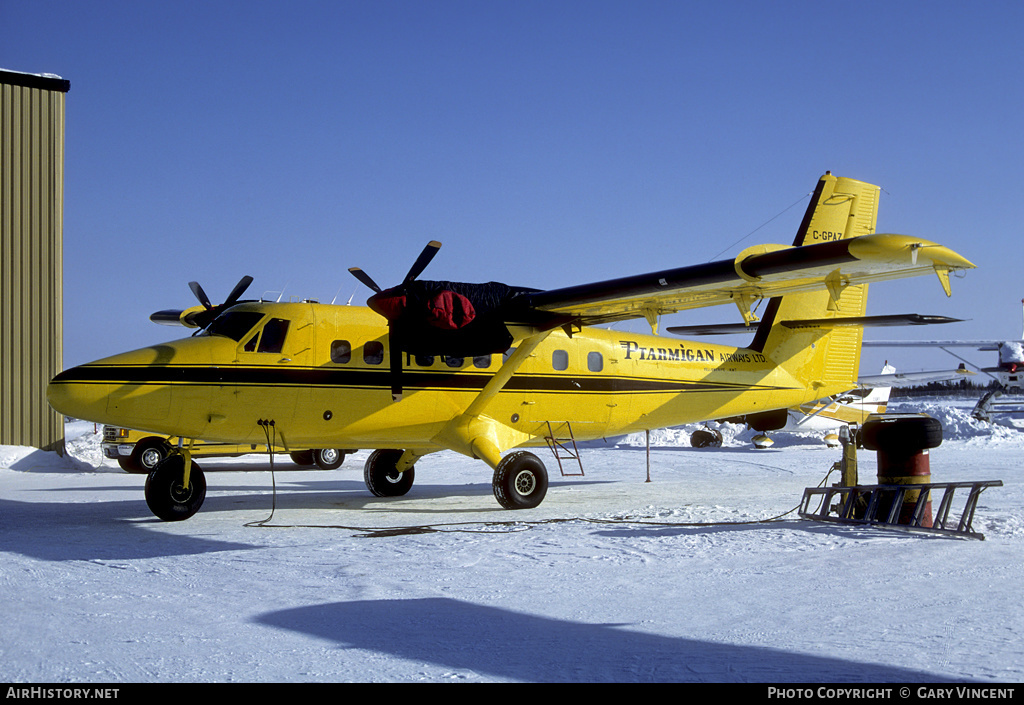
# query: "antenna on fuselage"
{"type": "Point", "coordinates": [281, 295]}
{"type": "Point", "coordinates": [347, 303]}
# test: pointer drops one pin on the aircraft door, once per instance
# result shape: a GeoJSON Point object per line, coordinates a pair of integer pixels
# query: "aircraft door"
{"type": "Point", "coordinates": [577, 388]}
{"type": "Point", "coordinates": [267, 383]}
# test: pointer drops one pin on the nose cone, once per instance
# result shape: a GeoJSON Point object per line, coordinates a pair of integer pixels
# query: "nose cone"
{"type": "Point", "coordinates": [68, 394]}
{"type": "Point", "coordinates": [117, 390]}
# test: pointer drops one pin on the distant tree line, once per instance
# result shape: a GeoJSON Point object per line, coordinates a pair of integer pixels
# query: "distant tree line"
{"type": "Point", "coordinates": [952, 388]}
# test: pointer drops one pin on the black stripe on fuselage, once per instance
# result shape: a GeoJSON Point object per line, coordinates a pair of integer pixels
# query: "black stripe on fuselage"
{"type": "Point", "coordinates": [381, 379]}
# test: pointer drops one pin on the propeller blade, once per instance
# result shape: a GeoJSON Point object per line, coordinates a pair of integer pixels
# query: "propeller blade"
{"type": "Point", "coordinates": [364, 278]}
{"type": "Point", "coordinates": [423, 260]}
{"type": "Point", "coordinates": [200, 294]}
{"type": "Point", "coordinates": [395, 340]}
{"type": "Point", "coordinates": [239, 289]}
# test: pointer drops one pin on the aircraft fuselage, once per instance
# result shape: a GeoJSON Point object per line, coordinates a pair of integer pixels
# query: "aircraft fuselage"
{"type": "Point", "coordinates": [321, 374]}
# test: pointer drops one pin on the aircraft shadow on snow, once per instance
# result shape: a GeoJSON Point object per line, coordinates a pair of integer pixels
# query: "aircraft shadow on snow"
{"type": "Point", "coordinates": [118, 529]}
{"type": "Point", "coordinates": [510, 645]}
{"type": "Point", "coordinates": [68, 531]}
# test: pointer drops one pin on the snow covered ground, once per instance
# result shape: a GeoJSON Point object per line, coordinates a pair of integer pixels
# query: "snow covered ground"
{"type": "Point", "coordinates": [612, 578]}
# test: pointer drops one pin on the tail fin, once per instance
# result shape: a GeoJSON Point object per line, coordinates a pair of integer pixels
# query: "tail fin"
{"type": "Point", "coordinates": [840, 208]}
{"type": "Point", "coordinates": [877, 399]}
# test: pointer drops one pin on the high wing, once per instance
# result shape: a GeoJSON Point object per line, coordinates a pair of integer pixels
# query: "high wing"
{"type": "Point", "coordinates": [759, 272]}
{"type": "Point", "coordinates": [836, 251]}
{"type": "Point", "coordinates": [1011, 352]}
{"type": "Point", "coordinates": [463, 319]}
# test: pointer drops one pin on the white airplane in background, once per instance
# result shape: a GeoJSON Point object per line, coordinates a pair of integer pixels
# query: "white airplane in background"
{"type": "Point", "coordinates": [828, 415]}
{"type": "Point", "coordinates": [1008, 374]}
{"type": "Point", "coordinates": [850, 408]}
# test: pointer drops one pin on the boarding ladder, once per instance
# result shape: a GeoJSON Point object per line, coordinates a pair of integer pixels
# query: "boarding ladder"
{"type": "Point", "coordinates": [560, 446]}
{"type": "Point", "coordinates": [880, 505]}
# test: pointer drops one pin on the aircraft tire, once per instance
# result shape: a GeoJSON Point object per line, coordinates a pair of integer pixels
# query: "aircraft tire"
{"type": "Point", "coordinates": [520, 481]}
{"type": "Point", "coordinates": [146, 455]}
{"type": "Point", "coordinates": [328, 458]}
{"type": "Point", "coordinates": [166, 497]}
{"type": "Point", "coordinates": [901, 434]}
{"type": "Point", "coordinates": [706, 438]}
{"type": "Point", "coordinates": [381, 477]}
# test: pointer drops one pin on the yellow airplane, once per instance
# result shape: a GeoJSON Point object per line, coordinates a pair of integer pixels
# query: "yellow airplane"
{"type": "Point", "coordinates": [488, 369]}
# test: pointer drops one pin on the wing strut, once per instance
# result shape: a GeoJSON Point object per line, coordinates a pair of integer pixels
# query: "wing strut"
{"type": "Point", "coordinates": [473, 433]}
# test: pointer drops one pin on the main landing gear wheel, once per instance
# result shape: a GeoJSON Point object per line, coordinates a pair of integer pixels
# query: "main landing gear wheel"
{"type": "Point", "coordinates": [520, 481]}
{"type": "Point", "coordinates": [328, 458]}
{"type": "Point", "coordinates": [166, 494]}
{"type": "Point", "coordinates": [381, 476]}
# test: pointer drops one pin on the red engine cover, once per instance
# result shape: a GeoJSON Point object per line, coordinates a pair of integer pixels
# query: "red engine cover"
{"type": "Point", "coordinates": [450, 311]}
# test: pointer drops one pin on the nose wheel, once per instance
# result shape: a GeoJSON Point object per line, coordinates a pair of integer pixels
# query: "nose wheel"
{"type": "Point", "coordinates": [167, 495]}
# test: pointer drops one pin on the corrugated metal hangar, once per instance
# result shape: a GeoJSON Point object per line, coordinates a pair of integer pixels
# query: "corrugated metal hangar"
{"type": "Point", "coordinates": [31, 256]}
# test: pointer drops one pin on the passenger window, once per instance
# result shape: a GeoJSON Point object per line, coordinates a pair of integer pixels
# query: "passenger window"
{"type": "Point", "coordinates": [482, 361]}
{"type": "Point", "coordinates": [507, 354]}
{"type": "Point", "coordinates": [454, 361]}
{"type": "Point", "coordinates": [373, 352]}
{"type": "Point", "coordinates": [595, 361]}
{"type": "Point", "coordinates": [424, 360]}
{"type": "Point", "coordinates": [560, 360]}
{"type": "Point", "coordinates": [341, 351]}
{"type": "Point", "coordinates": [272, 339]}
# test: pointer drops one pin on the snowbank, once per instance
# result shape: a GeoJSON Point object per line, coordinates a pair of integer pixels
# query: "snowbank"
{"type": "Point", "coordinates": [955, 416]}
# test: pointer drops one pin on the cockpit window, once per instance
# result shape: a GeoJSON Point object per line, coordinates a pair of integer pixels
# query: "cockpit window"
{"type": "Point", "coordinates": [234, 324]}
{"type": "Point", "coordinates": [272, 338]}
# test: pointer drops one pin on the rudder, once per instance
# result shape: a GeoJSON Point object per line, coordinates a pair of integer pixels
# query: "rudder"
{"type": "Point", "coordinates": [839, 209]}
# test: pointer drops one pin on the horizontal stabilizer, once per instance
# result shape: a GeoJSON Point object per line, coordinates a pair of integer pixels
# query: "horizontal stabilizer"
{"type": "Point", "coordinates": [983, 345]}
{"type": "Point", "coordinates": [899, 319]}
{"type": "Point", "coordinates": [903, 319]}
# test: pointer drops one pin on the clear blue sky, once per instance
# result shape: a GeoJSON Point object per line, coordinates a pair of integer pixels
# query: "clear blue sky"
{"type": "Point", "coordinates": [544, 143]}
